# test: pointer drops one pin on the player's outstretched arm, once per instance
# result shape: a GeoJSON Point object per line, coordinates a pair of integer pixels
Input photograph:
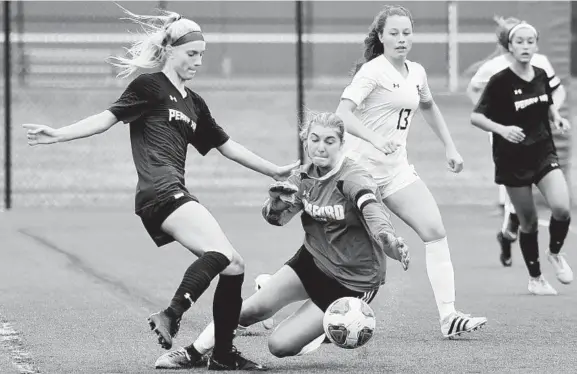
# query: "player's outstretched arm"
{"type": "Point", "coordinates": [238, 153]}
{"type": "Point", "coordinates": [376, 220]}
{"type": "Point", "coordinates": [283, 203]}
{"type": "Point", "coordinates": [381, 229]}
{"type": "Point", "coordinates": [96, 124]}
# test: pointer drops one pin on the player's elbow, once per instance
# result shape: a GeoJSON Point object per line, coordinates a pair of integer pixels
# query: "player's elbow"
{"type": "Point", "coordinates": [427, 105]}
{"type": "Point", "coordinates": [472, 93]}
{"type": "Point", "coordinates": [346, 107]}
{"type": "Point", "coordinates": [476, 118]}
{"type": "Point", "coordinates": [105, 121]}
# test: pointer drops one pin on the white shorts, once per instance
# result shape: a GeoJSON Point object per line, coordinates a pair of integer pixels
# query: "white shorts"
{"type": "Point", "coordinates": [403, 177]}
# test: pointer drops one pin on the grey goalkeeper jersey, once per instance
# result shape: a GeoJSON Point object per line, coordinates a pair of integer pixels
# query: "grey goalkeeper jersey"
{"type": "Point", "coordinates": [342, 216]}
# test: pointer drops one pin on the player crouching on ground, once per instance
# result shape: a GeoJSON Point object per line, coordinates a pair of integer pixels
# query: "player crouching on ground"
{"type": "Point", "coordinates": [517, 106]}
{"type": "Point", "coordinates": [348, 237]}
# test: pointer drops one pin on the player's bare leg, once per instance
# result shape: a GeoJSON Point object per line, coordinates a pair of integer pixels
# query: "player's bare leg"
{"type": "Point", "coordinates": [554, 188]}
{"type": "Point", "coordinates": [522, 198]}
{"type": "Point", "coordinates": [416, 206]}
{"type": "Point", "coordinates": [283, 288]}
{"type": "Point", "coordinates": [195, 228]}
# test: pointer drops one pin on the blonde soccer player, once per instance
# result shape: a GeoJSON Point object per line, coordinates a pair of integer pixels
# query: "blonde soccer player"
{"type": "Point", "coordinates": [508, 233]}
{"type": "Point", "coordinates": [386, 91]}
{"type": "Point", "coordinates": [348, 236]}
{"type": "Point", "coordinates": [166, 117]}
{"type": "Point", "coordinates": [517, 107]}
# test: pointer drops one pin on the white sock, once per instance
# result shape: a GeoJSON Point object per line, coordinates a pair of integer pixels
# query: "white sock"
{"type": "Point", "coordinates": [312, 346]}
{"type": "Point", "coordinates": [502, 195]}
{"type": "Point", "coordinates": [441, 275]}
{"type": "Point", "coordinates": [205, 341]}
{"type": "Point", "coordinates": [508, 204]}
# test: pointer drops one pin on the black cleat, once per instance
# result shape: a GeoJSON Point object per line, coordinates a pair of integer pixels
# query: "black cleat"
{"type": "Point", "coordinates": [165, 327]}
{"type": "Point", "coordinates": [234, 361]}
{"type": "Point", "coordinates": [505, 244]}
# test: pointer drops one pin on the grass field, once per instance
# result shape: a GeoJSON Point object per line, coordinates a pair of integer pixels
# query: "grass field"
{"type": "Point", "coordinates": [77, 284]}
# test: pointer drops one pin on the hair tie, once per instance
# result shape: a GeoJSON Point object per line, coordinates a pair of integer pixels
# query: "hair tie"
{"type": "Point", "coordinates": [520, 26]}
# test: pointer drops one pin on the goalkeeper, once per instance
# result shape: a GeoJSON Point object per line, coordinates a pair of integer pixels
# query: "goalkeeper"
{"type": "Point", "coordinates": [348, 235]}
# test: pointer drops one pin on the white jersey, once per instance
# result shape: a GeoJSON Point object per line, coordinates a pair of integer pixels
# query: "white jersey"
{"type": "Point", "coordinates": [502, 62]}
{"type": "Point", "coordinates": [386, 103]}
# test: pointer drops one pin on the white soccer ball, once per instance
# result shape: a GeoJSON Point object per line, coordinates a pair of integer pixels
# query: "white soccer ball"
{"type": "Point", "coordinates": [349, 322]}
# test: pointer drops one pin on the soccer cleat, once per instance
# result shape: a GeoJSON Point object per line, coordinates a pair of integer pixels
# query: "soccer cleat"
{"type": "Point", "coordinates": [539, 286]}
{"type": "Point", "coordinates": [234, 361]}
{"type": "Point", "coordinates": [165, 327]}
{"type": "Point", "coordinates": [457, 323]}
{"type": "Point", "coordinates": [180, 359]}
{"type": "Point", "coordinates": [505, 244]}
{"type": "Point", "coordinates": [562, 269]}
{"type": "Point", "coordinates": [259, 283]}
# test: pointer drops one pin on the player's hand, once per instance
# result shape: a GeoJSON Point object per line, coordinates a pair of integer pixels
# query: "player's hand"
{"type": "Point", "coordinates": [454, 160]}
{"type": "Point", "coordinates": [399, 250]}
{"type": "Point", "coordinates": [40, 134]}
{"type": "Point", "coordinates": [385, 145]}
{"type": "Point", "coordinates": [512, 134]}
{"type": "Point", "coordinates": [285, 191]}
{"type": "Point", "coordinates": [283, 172]}
{"type": "Point", "coordinates": [561, 124]}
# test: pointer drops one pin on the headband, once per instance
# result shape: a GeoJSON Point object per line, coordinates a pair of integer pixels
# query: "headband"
{"type": "Point", "coordinates": [192, 36]}
{"type": "Point", "coordinates": [520, 26]}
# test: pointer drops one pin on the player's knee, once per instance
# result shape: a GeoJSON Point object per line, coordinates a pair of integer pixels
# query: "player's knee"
{"type": "Point", "coordinates": [251, 313]}
{"type": "Point", "coordinates": [561, 213]}
{"type": "Point", "coordinates": [279, 347]}
{"type": "Point", "coordinates": [236, 265]}
{"type": "Point", "coordinates": [433, 232]}
{"type": "Point", "coordinates": [529, 224]}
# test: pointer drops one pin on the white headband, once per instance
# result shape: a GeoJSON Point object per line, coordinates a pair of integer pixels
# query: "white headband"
{"type": "Point", "coordinates": [520, 26]}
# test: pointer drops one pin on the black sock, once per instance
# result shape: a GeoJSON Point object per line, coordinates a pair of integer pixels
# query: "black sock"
{"type": "Point", "coordinates": [530, 249]}
{"type": "Point", "coordinates": [226, 312]}
{"type": "Point", "coordinates": [196, 280]}
{"type": "Point", "coordinates": [557, 234]}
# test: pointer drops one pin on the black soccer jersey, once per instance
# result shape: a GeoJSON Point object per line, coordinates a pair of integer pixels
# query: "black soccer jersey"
{"type": "Point", "coordinates": [511, 101]}
{"type": "Point", "coordinates": [162, 124]}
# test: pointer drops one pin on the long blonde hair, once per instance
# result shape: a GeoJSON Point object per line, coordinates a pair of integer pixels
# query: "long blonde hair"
{"type": "Point", "coordinates": [160, 30]}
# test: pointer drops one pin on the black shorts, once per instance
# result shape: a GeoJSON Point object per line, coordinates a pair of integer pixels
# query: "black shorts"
{"type": "Point", "coordinates": [322, 289]}
{"type": "Point", "coordinates": [154, 215]}
{"type": "Point", "coordinates": [525, 166]}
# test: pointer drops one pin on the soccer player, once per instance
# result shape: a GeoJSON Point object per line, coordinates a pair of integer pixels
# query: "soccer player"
{"type": "Point", "coordinates": [348, 235]}
{"type": "Point", "coordinates": [517, 107]}
{"type": "Point", "coordinates": [510, 227]}
{"type": "Point", "coordinates": [387, 90]}
{"type": "Point", "coordinates": [165, 117]}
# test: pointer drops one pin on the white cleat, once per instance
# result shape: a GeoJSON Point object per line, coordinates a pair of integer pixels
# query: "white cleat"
{"type": "Point", "coordinates": [458, 323]}
{"type": "Point", "coordinates": [540, 286]}
{"type": "Point", "coordinates": [562, 269]}
{"type": "Point", "coordinates": [259, 283]}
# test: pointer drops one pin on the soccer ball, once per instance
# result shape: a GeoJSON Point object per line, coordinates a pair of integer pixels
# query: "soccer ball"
{"type": "Point", "coordinates": [349, 322]}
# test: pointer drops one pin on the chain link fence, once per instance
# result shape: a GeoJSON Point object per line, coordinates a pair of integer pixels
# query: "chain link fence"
{"type": "Point", "coordinates": [248, 79]}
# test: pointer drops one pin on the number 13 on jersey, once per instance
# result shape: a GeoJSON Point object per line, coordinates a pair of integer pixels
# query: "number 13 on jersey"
{"type": "Point", "coordinates": [403, 121]}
